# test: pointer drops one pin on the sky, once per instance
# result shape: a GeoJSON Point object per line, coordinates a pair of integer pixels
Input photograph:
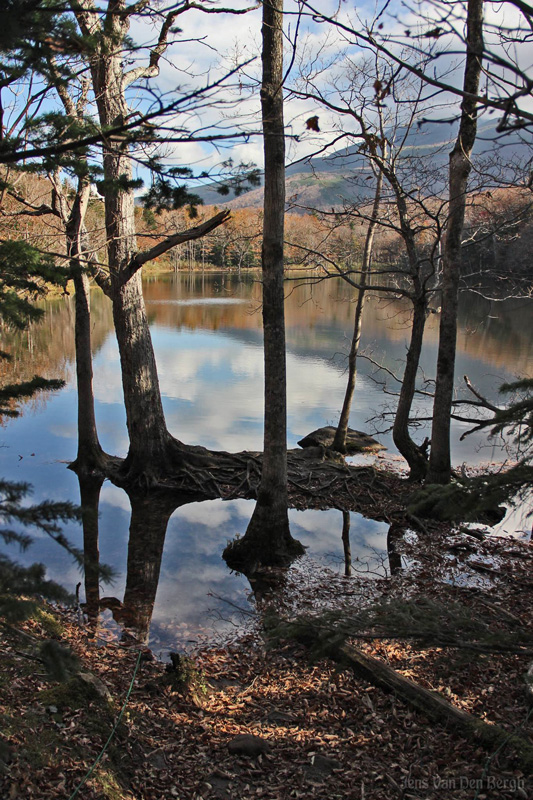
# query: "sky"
{"type": "Point", "coordinates": [211, 45]}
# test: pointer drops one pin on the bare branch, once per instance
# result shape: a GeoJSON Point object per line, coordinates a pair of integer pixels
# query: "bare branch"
{"type": "Point", "coordinates": [178, 238]}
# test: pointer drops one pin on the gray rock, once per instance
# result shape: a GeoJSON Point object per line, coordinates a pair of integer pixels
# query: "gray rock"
{"type": "Point", "coordinates": [95, 684]}
{"type": "Point", "coordinates": [246, 744]}
{"type": "Point", "coordinates": [356, 441]}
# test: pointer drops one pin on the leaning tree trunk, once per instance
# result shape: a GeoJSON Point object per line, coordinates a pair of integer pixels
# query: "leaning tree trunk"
{"type": "Point", "coordinates": [413, 453]}
{"type": "Point", "coordinates": [339, 441]}
{"type": "Point", "coordinates": [460, 166]}
{"type": "Point", "coordinates": [268, 539]}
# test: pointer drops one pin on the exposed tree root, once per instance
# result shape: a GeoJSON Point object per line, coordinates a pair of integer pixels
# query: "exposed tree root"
{"type": "Point", "coordinates": [316, 479]}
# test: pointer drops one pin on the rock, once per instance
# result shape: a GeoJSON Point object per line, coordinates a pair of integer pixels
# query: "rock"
{"type": "Point", "coordinates": [356, 441]}
{"type": "Point", "coordinates": [157, 760]}
{"type": "Point", "coordinates": [94, 683]}
{"type": "Point", "coordinates": [316, 454]}
{"type": "Point", "coordinates": [321, 766]}
{"type": "Point", "coordinates": [246, 744]}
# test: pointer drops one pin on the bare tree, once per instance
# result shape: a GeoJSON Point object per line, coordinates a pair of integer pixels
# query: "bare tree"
{"type": "Point", "coordinates": [339, 440]}
{"type": "Point", "coordinates": [409, 206]}
{"type": "Point", "coordinates": [460, 166]}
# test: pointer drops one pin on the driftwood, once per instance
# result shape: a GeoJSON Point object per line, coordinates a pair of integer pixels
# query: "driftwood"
{"type": "Point", "coordinates": [434, 706]}
{"type": "Point", "coordinates": [429, 703]}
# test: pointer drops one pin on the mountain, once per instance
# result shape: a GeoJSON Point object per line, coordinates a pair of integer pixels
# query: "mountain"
{"type": "Point", "coordinates": [344, 176]}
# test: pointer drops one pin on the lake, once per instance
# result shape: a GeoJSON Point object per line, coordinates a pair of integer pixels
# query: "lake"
{"type": "Point", "coordinates": [206, 330]}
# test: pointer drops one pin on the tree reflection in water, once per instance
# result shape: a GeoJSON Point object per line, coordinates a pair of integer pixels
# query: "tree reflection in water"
{"type": "Point", "coordinates": [90, 487]}
{"type": "Point", "coordinates": [150, 514]}
{"type": "Point", "coordinates": [196, 588]}
{"type": "Point", "coordinates": [396, 532]}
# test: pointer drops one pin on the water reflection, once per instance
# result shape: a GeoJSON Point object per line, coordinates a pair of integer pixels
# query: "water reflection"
{"type": "Point", "coordinates": [207, 335]}
{"type": "Point", "coordinates": [346, 546]}
{"type": "Point", "coordinates": [90, 488]}
{"type": "Point", "coordinates": [394, 535]}
{"type": "Point", "coordinates": [176, 590]}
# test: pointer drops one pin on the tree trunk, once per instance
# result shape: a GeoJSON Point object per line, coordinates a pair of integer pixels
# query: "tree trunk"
{"type": "Point", "coordinates": [268, 539]}
{"type": "Point", "coordinates": [339, 441]}
{"type": "Point", "coordinates": [413, 453]}
{"type": "Point", "coordinates": [90, 456]}
{"type": "Point", "coordinates": [460, 166]}
{"type": "Point", "coordinates": [150, 443]}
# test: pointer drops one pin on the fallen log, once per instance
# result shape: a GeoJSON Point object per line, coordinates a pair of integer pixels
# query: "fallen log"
{"type": "Point", "coordinates": [427, 702]}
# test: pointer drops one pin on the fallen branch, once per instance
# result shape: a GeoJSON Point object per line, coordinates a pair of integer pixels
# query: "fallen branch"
{"type": "Point", "coordinates": [429, 703]}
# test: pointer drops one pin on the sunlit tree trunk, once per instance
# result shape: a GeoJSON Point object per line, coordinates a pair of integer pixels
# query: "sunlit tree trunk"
{"type": "Point", "coordinates": [413, 453]}
{"type": "Point", "coordinates": [460, 167]}
{"type": "Point", "coordinates": [148, 435]}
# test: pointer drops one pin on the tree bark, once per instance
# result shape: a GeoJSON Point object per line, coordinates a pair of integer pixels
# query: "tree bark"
{"type": "Point", "coordinates": [90, 457]}
{"type": "Point", "coordinates": [413, 453]}
{"type": "Point", "coordinates": [150, 442]}
{"type": "Point", "coordinates": [459, 170]}
{"type": "Point", "coordinates": [268, 539]}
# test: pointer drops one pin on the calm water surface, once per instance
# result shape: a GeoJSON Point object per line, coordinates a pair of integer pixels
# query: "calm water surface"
{"type": "Point", "coordinates": [207, 336]}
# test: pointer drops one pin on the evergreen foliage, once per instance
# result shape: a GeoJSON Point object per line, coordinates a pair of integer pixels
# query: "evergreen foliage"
{"type": "Point", "coordinates": [24, 275]}
{"type": "Point", "coordinates": [15, 580]}
{"type": "Point", "coordinates": [517, 418]}
{"type": "Point", "coordinates": [424, 620]}
{"type": "Point", "coordinates": [481, 499]}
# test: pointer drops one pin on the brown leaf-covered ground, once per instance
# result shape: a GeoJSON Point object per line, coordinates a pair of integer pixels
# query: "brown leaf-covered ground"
{"type": "Point", "coordinates": [330, 734]}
